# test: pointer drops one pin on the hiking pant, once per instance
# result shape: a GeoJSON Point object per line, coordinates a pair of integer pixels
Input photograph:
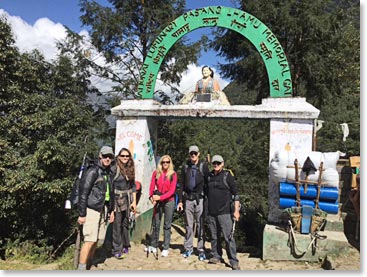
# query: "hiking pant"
{"type": "Point", "coordinates": [166, 208]}
{"type": "Point", "coordinates": [120, 232]}
{"type": "Point", "coordinates": [222, 224]}
{"type": "Point", "coordinates": [194, 214]}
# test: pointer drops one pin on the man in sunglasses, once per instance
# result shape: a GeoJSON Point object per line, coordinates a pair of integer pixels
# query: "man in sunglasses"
{"type": "Point", "coordinates": [191, 198]}
{"type": "Point", "coordinates": [221, 187]}
{"type": "Point", "coordinates": [96, 205]}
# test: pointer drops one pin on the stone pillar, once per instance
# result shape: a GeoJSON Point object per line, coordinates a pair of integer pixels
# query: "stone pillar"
{"type": "Point", "coordinates": [139, 135]}
{"type": "Point", "coordinates": [293, 136]}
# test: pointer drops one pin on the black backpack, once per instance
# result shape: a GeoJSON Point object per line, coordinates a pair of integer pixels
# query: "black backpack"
{"type": "Point", "coordinates": [74, 195]}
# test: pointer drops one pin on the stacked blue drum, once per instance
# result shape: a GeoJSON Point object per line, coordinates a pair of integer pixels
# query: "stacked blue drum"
{"type": "Point", "coordinates": [328, 199]}
{"type": "Point", "coordinates": [314, 173]}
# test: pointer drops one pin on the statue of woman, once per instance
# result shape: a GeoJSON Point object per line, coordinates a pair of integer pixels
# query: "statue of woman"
{"type": "Point", "coordinates": [207, 84]}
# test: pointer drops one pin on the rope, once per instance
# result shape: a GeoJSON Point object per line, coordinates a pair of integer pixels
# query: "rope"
{"type": "Point", "coordinates": [293, 242]}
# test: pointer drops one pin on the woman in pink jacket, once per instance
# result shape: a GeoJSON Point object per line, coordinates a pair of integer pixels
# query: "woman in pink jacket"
{"type": "Point", "coordinates": [161, 194]}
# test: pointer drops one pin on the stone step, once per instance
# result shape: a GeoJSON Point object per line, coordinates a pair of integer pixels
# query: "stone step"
{"type": "Point", "coordinates": [276, 245]}
{"type": "Point", "coordinates": [334, 223]}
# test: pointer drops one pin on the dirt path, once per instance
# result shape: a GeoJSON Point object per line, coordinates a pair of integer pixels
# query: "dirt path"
{"type": "Point", "coordinates": [251, 260]}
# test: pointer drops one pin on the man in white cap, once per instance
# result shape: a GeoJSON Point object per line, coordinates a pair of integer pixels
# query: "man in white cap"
{"type": "Point", "coordinates": [191, 196]}
{"type": "Point", "coordinates": [95, 210]}
{"type": "Point", "coordinates": [221, 188]}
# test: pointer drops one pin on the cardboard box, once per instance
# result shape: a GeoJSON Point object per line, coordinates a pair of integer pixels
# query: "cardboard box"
{"type": "Point", "coordinates": [355, 161]}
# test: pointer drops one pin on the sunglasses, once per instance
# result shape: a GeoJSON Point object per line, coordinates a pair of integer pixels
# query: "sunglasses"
{"type": "Point", "coordinates": [193, 153]}
{"type": "Point", "coordinates": [216, 163]}
{"type": "Point", "coordinates": [124, 156]}
{"type": "Point", "coordinates": [166, 162]}
{"type": "Point", "coordinates": [107, 156]}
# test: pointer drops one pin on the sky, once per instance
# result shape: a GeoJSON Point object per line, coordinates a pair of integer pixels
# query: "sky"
{"type": "Point", "coordinates": [38, 23]}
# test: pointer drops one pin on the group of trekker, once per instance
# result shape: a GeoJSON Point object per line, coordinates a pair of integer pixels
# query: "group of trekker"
{"type": "Point", "coordinates": [107, 194]}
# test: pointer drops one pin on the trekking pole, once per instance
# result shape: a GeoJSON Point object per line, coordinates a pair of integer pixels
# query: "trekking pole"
{"type": "Point", "coordinates": [77, 246]}
{"type": "Point", "coordinates": [208, 156]}
{"type": "Point", "coordinates": [233, 225]}
{"type": "Point", "coordinates": [61, 244]}
{"type": "Point", "coordinates": [150, 234]}
{"type": "Point", "coordinates": [73, 198]}
{"type": "Point", "coordinates": [151, 231]}
{"type": "Point", "coordinates": [233, 229]}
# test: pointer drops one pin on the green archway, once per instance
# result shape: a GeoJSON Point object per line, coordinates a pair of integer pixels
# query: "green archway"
{"type": "Point", "coordinates": [250, 27]}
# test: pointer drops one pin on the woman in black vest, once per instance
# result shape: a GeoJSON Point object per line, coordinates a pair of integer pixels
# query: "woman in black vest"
{"type": "Point", "coordinates": [125, 201]}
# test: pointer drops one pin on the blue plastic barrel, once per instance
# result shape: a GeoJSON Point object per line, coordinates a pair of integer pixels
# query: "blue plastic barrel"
{"type": "Point", "coordinates": [326, 193]}
{"type": "Point", "coordinates": [328, 207]}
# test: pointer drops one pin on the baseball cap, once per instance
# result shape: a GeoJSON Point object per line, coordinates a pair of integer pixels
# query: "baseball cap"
{"type": "Point", "coordinates": [193, 148]}
{"type": "Point", "coordinates": [217, 158]}
{"type": "Point", "coordinates": [106, 150]}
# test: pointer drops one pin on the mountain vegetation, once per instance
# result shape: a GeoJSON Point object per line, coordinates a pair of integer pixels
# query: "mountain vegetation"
{"type": "Point", "coordinates": [49, 119]}
{"type": "Point", "coordinates": [123, 32]}
{"type": "Point", "coordinates": [45, 119]}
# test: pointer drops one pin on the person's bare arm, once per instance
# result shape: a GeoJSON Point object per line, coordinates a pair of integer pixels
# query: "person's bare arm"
{"type": "Point", "coordinates": [216, 85]}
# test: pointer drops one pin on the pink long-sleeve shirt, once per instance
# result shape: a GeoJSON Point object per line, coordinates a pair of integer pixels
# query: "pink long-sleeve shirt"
{"type": "Point", "coordinates": [164, 185]}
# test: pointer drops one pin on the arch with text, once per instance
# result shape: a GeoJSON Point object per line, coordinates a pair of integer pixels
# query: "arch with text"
{"type": "Point", "coordinates": [266, 43]}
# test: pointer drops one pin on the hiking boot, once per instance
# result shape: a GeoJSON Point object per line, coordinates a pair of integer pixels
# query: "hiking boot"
{"type": "Point", "coordinates": [165, 253]}
{"type": "Point", "coordinates": [236, 267]}
{"type": "Point", "coordinates": [202, 256]}
{"type": "Point", "coordinates": [119, 256]}
{"type": "Point", "coordinates": [150, 249]}
{"type": "Point", "coordinates": [187, 253]}
{"type": "Point", "coordinates": [125, 250]}
{"type": "Point", "coordinates": [214, 260]}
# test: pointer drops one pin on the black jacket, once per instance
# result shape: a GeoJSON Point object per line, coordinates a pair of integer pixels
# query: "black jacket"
{"type": "Point", "coordinates": [92, 190]}
{"type": "Point", "coordinates": [200, 180]}
{"type": "Point", "coordinates": [219, 196]}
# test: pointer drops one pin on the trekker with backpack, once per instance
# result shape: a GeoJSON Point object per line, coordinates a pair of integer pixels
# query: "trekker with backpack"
{"type": "Point", "coordinates": [191, 199]}
{"type": "Point", "coordinates": [125, 201]}
{"type": "Point", "coordinates": [96, 205]}
{"type": "Point", "coordinates": [161, 194]}
{"type": "Point", "coordinates": [221, 187]}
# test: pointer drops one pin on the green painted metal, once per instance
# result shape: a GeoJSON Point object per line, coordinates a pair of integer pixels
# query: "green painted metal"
{"type": "Point", "coordinates": [250, 27]}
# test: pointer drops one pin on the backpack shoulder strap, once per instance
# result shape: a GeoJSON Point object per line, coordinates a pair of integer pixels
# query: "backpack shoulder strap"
{"type": "Point", "coordinates": [117, 173]}
{"type": "Point", "coordinates": [201, 168]}
{"type": "Point", "coordinates": [186, 167]}
{"type": "Point", "coordinates": [226, 172]}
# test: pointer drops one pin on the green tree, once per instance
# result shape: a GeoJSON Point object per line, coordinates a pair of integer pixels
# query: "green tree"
{"type": "Point", "coordinates": [321, 41]}
{"type": "Point", "coordinates": [45, 117]}
{"type": "Point", "coordinates": [124, 31]}
{"type": "Point", "coordinates": [313, 37]}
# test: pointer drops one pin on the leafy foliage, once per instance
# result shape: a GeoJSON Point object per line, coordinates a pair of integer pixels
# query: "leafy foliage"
{"type": "Point", "coordinates": [123, 32]}
{"type": "Point", "coordinates": [45, 118]}
{"type": "Point", "coordinates": [321, 41]}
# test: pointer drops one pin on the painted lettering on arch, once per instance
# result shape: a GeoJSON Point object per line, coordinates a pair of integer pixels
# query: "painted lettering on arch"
{"type": "Point", "coordinates": [249, 26]}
